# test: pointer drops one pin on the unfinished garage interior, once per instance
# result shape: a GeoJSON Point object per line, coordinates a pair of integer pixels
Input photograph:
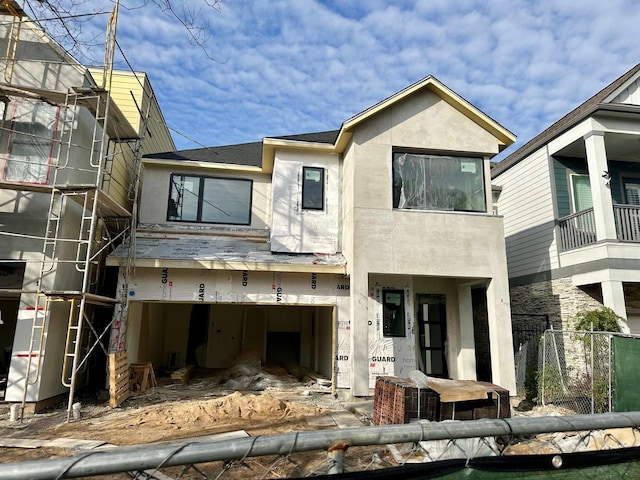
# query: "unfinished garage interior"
{"type": "Point", "coordinates": [215, 336]}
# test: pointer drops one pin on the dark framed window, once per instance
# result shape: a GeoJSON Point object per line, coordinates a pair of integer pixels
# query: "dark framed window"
{"type": "Point", "coordinates": [312, 188]}
{"type": "Point", "coordinates": [195, 198]}
{"type": "Point", "coordinates": [393, 313]}
{"type": "Point", "coordinates": [438, 182]}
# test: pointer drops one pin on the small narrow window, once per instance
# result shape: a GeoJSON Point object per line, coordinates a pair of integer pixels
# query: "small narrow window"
{"type": "Point", "coordinates": [312, 188]}
{"type": "Point", "coordinates": [393, 313]}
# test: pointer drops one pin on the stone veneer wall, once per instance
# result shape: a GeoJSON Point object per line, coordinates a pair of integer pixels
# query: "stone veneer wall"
{"type": "Point", "coordinates": [559, 299]}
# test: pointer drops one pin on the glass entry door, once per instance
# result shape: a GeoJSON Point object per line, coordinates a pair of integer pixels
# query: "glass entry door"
{"type": "Point", "coordinates": [432, 322]}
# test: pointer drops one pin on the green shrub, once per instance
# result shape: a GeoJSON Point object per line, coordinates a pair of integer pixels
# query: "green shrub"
{"type": "Point", "coordinates": [550, 384]}
{"type": "Point", "coordinates": [598, 320]}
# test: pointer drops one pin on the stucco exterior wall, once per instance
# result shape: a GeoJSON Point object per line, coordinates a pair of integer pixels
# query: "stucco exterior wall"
{"type": "Point", "coordinates": [423, 243]}
{"type": "Point", "coordinates": [155, 193]}
{"type": "Point", "coordinates": [40, 63]}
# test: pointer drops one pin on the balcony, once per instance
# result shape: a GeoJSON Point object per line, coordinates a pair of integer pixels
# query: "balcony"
{"type": "Point", "coordinates": [579, 229]}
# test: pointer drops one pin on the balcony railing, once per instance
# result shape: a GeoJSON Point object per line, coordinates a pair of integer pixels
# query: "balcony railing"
{"type": "Point", "coordinates": [627, 222]}
{"type": "Point", "coordinates": [579, 229]}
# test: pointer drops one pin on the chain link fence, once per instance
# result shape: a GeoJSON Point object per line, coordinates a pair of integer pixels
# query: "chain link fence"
{"type": "Point", "coordinates": [488, 448]}
{"type": "Point", "coordinates": [577, 370]}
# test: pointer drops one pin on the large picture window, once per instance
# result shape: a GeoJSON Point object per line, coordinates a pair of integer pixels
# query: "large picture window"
{"type": "Point", "coordinates": [195, 198]}
{"type": "Point", "coordinates": [438, 182]}
{"type": "Point", "coordinates": [312, 188]}
{"type": "Point", "coordinates": [30, 142]}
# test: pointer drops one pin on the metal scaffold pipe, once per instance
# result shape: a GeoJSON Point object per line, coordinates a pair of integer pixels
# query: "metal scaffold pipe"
{"type": "Point", "coordinates": [138, 458]}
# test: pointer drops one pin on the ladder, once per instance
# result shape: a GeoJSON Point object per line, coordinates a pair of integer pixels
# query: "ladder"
{"type": "Point", "coordinates": [36, 347]}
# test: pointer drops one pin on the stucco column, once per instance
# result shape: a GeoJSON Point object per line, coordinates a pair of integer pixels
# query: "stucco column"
{"type": "Point", "coordinates": [600, 191]}
{"type": "Point", "coordinates": [466, 358]}
{"type": "Point", "coordinates": [359, 340]}
{"type": "Point", "coordinates": [488, 189]}
{"type": "Point", "coordinates": [500, 337]}
{"type": "Point", "coordinates": [613, 297]}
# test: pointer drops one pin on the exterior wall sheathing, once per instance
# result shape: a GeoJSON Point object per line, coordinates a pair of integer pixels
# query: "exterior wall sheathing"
{"type": "Point", "coordinates": [385, 356]}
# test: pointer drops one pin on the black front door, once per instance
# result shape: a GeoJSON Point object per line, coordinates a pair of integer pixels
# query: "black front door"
{"type": "Point", "coordinates": [432, 321]}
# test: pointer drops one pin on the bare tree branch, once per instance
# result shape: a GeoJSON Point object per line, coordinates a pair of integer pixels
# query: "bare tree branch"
{"type": "Point", "coordinates": [64, 20]}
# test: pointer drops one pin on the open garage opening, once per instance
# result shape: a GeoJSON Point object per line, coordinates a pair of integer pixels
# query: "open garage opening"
{"type": "Point", "coordinates": [218, 336]}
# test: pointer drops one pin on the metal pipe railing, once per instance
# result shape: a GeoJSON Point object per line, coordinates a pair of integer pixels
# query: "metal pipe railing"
{"type": "Point", "coordinates": [139, 458]}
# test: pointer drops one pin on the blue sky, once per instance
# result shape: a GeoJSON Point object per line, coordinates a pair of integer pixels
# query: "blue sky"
{"type": "Point", "coordinates": [295, 66]}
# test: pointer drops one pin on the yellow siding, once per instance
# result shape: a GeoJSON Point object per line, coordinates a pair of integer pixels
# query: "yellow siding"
{"type": "Point", "coordinates": [123, 85]}
{"type": "Point", "coordinates": [160, 139]}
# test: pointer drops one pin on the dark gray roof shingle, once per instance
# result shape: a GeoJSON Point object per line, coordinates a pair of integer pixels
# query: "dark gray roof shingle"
{"type": "Point", "coordinates": [329, 136]}
{"type": "Point", "coordinates": [249, 154]}
{"type": "Point", "coordinates": [562, 125]}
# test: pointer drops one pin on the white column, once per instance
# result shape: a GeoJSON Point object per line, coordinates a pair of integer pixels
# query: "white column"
{"type": "Point", "coordinates": [466, 357]}
{"type": "Point", "coordinates": [359, 340]}
{"type": "Point", "coordinates": [500, 338]}
{"type": "Point", "coordinates": [600, 191]}
{"type": "Point", "coordinates": [613, 297]}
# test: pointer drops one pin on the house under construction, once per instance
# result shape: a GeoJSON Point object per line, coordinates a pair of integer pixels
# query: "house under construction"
{"type": "Point", "coordinates": [70, 143]}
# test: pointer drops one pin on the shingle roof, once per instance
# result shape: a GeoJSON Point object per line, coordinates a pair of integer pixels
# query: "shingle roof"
{"type": "Point", "coordinates": [562, 125]}
{"type": "Point", "coordinates": [249, 154]}
{"type": "Point", "coordinates": [242, 154]}
{"type": "Point", "coordinates": [329, 136]}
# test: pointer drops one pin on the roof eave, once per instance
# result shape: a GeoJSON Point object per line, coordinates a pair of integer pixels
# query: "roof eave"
{"type": "Point", "coordinates": [504, 136]}
{"type": "Point", "coordinates": [196, 164]}
{"type": "Point", "coordinates": [270, 145]}
{"type": "Point", "coordinates": [527, 149]}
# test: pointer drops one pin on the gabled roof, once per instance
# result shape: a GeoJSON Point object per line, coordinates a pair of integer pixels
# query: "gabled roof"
{"type": "Point", "coordinates": [332, 141]}
{"type": "Point", "coordinates": [504, 136]}
{"type": "Point", "coordinates": [572, 118]}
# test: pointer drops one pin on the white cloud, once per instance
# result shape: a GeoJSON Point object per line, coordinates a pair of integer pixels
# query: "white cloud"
{"type": "Point", "coordinates": [294, 66]}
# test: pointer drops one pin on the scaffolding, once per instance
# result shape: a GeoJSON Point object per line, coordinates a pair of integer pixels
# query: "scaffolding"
{"type": "Point", "coordinates": [79, 194]}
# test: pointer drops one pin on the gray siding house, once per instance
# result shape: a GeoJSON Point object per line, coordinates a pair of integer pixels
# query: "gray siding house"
{"type": "Point", "coordinates": [570, 200]}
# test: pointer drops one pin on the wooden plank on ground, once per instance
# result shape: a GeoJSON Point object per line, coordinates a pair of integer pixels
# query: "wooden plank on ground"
{"type": "Point", "coordinates": [325, 420]}
{"type": "Point", "coordinates": [182, 374]}
{"type": "Point", "coordinates": [21, 443]}
{"type": "Point", "coordinates": [74, 443]}
{"type": "Point", "coordinates": [118, 378]}
{"type": "Point", "coordinates": [458, 390]}
{"type": "Point", "coordinates": [346, 419]}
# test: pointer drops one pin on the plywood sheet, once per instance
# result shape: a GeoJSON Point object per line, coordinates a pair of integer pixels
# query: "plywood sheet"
{"type": "Point", "coordinates": [458, 390]}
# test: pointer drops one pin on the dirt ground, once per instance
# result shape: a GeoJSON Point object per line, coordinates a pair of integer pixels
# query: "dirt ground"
{"type": "Point", "coordinates": [200, 407]}
{"type": "Point", "coordinates": [250, 402]}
